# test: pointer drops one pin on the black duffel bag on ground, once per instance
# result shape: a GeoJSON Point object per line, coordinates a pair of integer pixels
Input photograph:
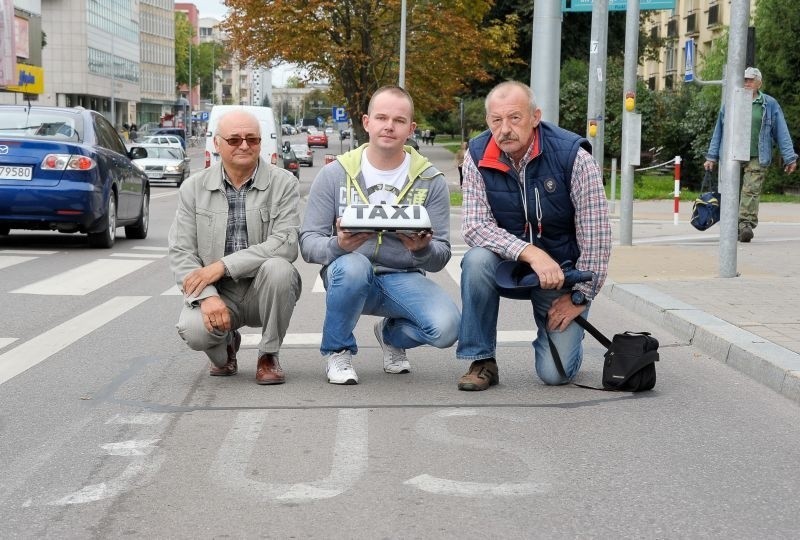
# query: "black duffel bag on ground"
{"type": "Point", "coordinates": [630, 361]}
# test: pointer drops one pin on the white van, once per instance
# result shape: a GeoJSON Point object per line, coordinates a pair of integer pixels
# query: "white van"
{"type": "Point", "coordinates": [271, 140]}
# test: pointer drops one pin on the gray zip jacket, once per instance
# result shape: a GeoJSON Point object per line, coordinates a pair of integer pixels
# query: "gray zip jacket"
{"type": "Point", "coordinates": [334, 189]}
{"type": "Point", "coordinates": [197, 235]}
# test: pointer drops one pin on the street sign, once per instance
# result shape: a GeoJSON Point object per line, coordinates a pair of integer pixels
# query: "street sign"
{"type": "Point", "coordinates": [616, 5]}
{"type": "Point", "coordinates": [689, 76]}
{"type": "Point", "coordinates": [339, 114]}
{"type": "Point", "coordinates": [204, 116]}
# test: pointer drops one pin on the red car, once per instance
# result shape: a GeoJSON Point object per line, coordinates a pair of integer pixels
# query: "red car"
{"type": "Point", "coordinates": [317, 138]}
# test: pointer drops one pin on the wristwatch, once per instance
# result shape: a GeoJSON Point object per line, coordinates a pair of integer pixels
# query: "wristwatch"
{"type": "Point", "coordinates": [579, 299]}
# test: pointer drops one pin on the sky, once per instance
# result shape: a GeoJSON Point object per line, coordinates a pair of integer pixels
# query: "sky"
{"type": "Point", "coordinates": [216, 9]}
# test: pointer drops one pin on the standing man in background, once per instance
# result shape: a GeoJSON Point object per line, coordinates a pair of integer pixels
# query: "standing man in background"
{"type": "Point", "coordinates": [768, 126]}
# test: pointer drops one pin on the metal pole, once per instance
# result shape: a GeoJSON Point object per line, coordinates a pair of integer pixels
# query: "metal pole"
{"type": "Point", "coordinates": [597, 77]}
{"type": "Point", "coordinates": [461, 113]}
{"type": "Point", "coordinates": [612, 201]}
{"type": "Point", "coordinates": [113, 83]}
{"type": "Point", "coordinates": [188, 125]}
{"type": "Point", "coordinates": [629, 85]}
{"type": "Point", "coordinates": [402, 79]}
{"type": "Point", "coordinates": [546, 57]}
{"type": "Point", "coordinates": [729, 170]}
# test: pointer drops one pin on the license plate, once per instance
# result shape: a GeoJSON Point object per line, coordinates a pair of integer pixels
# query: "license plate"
{"type": "Point", "coordinates": [154, 175]}
{"type": "Point", "coordinates": [8, 172]}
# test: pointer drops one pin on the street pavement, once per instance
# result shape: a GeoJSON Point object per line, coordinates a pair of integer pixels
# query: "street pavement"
{"type": "Point", "coordinates": [670, 275]}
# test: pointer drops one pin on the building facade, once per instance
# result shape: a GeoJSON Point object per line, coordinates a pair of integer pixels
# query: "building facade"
{"type": "Point", "coordinates": [700, 20]}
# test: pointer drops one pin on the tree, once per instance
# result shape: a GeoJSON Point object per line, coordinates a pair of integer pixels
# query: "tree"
{"type": "Point", "coordinates": [210, 57]}
{"type": "Point", "coordinates": [777, 25]}
{"type": "Point", "coordinates": [354, 44]}
{"type": "Point", "coordinates": [183, 33]}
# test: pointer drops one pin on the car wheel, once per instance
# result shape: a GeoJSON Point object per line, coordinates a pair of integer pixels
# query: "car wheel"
{"type": "Point", "coordinates": [105, 238]}
{"type": "Point", "coordinates": [138, 231]}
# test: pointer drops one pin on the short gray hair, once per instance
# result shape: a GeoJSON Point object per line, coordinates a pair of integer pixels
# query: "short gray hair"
{"type": "Point", "coordinates": [507, 85]}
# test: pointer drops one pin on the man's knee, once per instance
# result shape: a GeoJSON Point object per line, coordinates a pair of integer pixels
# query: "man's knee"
{"type": "Point", "coordinates": [278, 273]}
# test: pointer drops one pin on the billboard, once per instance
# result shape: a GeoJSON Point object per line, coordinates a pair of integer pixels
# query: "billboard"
{"type": "Point", "coordinates": [8, 61]}
{"type": "Point", "coordinates": [616, 5]}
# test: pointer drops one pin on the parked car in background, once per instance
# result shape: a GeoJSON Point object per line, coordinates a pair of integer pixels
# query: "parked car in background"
{"type": "Point", "coordinates": [305, 155]}
{"type": "Point", "coordinates": [164, 164]}
{"type": "Point", "coordinates": [68, 170]}
{"type": "Point", "coordinates": [165, 140]}
{"type": "Point", "coordinates": [317, 138]}
{"type": "Point", "coordinates": [290, 162]}
{"type": "Point", "coordinates": [178, 132]}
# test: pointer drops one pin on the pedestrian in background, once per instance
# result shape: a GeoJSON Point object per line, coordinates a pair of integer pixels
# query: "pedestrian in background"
{"type": "Point", "coordinates": [380, 273]}
{"type": "Point", "coordinates": [533, 194]}
{"type": "Point", "coordinates": [462, 150]}
{"type": "Point", "coordinates": [231, 247]}
{"type": "Point", "coordinates": [768, 126]}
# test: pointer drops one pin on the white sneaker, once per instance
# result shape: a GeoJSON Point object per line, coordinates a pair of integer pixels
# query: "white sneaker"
{"type": "Point", "coordinates": [394, 358]}
{"type": "Point", "coordinates": [340, 368]}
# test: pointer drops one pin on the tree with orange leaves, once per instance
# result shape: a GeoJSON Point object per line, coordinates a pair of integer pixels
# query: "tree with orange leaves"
{"type": "Point", "coordinates": [355, 45]}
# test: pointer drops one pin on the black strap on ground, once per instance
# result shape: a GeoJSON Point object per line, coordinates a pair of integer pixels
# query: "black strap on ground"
{"type": "Point", "coordinates": [597, 334]}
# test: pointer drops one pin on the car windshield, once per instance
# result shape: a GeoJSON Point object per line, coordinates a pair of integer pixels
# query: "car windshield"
{"type": "Point", "coordinates": [40, 124]}
{"type": "Point", "coordinates": [163, 152]}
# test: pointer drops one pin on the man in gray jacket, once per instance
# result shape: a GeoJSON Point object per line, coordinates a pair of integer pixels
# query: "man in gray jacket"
{"type": "Point", "coordinates": [380, 273]}
{"type": "Point", "coordinates": [231, 248]}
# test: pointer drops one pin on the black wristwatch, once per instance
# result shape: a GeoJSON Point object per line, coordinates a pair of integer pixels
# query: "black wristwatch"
{"type": "Point", "coordinates": [578, 298]}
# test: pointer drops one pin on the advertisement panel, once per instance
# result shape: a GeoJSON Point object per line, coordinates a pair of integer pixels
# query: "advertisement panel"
{"type": "Point", "coordinates": [7, 43]}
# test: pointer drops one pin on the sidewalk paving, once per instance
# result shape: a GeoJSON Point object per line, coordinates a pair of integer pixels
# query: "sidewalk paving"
{"type": "Point", "coordinates": [670, 275]}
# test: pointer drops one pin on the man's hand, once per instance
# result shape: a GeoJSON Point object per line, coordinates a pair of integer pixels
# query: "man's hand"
{"type": "Point", "coordinates": [562, 312]}
{"type": "Point", "coordinates": [215, 314]}
{"type": "Point", "coordinates": [197, 280]}
{"type": "Point", "coordinates": [790, 167]}
{"type": "Point", "coordinates": [549, 271]}
{"type": "Point", "coordinates": [351, 241]}
{"type": "Point", "coordinates": [415, 241]}
{"type": "Point", "coordinates": [709, 165]}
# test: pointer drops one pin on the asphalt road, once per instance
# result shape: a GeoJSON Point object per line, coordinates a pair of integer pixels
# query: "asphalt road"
{"type": "Point", "coordinates": [110, 426]}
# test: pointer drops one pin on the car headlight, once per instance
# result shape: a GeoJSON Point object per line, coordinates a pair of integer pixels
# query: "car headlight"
{"type": "Point", "coordinates": [173, 168]}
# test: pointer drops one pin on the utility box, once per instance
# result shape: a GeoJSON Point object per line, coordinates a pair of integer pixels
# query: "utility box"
{"type": "Point", "coordinates": [738, 123]}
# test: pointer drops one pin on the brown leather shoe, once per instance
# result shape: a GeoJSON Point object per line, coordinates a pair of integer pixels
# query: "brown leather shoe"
{"type": "Point", "coordinates": [269, 370]}
{"type": "Point", "coordinates": [231, 367]}
{"type": "Point", "coordinates": [481, 375]}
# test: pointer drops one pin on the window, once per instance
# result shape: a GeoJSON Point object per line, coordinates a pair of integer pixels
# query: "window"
{"type": "Point", "coordinates": [671, 54]}
{"type": "Point", "coordinates": [651, 82]}
{"type": "Point", "coordinates": [691, 23]}
{"type": "Point", "coordinates": [713, 15]}
{"type": "Point", "coordinates": [654, 32]}
{"type": "Point", "coordinates": [672, 28]}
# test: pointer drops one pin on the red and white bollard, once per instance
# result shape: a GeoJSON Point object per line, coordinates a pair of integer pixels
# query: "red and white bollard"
{"type": "Point", "coordinates": [677, 187]}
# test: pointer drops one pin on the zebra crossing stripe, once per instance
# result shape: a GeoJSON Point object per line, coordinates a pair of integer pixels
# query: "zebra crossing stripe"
{"type": "Point", "coordinates": [84, 279]}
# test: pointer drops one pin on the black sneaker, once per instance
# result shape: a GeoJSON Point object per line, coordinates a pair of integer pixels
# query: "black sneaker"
{"type": "Point", "coordinates": [745, 234]}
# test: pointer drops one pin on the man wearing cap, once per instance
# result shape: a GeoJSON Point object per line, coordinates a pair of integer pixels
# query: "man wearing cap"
{"type": "Point", "coordinates": [532, 194]}
{"type": "Point", "coordinates": [768, 125]}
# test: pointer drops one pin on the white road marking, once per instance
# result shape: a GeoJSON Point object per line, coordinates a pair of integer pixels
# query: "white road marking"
{"type": "Point", "coordinates": [130, 448]}
{"type": "Point", "coordinates": [152, 248]}
{"type": "Point", "coordinates": [172, 291]}
{"type": "Point", "coordinates": [143, 419]}
{"type": "Point", "coordinates": [138, 472]}
{"type": "Point", "coordinates": [84, 279]}
{"type": "Point", "coordinates": [141, 255]}
{"type": "Point", "coordinates": [349, 461]}
{"type": "Point", "coordinates": [453, 268]}
{"type": "Point", "coordinates": [30, 353]}
{"type": "Point", "coordinates": [164, 194]}
{"type": "Point", "coordinates": [25, 252]}
{"type": "Point", "coordinates": [11, 260]}
{"type": "Point", "coordinates": [7, 341]}
{"type": "Point", "coordinates": [318, 285]}
{"type": "Point", "coordinates": [433, 426]}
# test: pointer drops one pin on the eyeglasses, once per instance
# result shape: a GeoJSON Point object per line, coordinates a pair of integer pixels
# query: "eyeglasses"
{"type": "Point", "coordinates": [237, 141]}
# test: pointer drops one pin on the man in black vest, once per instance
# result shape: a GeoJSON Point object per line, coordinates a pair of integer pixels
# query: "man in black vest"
{"type": "Point", "coordinates": [532, 194]}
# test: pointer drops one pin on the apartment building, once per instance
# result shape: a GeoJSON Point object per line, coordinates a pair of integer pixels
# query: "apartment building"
{"type": "Point", "coordinates": [700, 20]}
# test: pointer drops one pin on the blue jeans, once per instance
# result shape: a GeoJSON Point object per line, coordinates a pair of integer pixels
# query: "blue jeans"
{"type": "Point", "coordinates": [419, 312]}
{"type": "Point", "coordinates": [480, 303]}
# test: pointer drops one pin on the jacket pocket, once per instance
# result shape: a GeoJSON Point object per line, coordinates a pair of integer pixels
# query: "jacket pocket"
{"type": "Point", "coordinates": [205, 233]}
{"type": "Point", "coordinates": [265, 223]}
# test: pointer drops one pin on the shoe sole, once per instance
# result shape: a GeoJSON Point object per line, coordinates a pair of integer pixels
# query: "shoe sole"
{"type": "Point", "coordinates": [270, 382]}
{"type": "Point", "coordinates": [472, 387]}
{"type": "Point", "coordinates": [222, 373]}
{"type": "Point", "coordinates": [392, 372]}
{"type": "Point", "coordinates": [347, 382]}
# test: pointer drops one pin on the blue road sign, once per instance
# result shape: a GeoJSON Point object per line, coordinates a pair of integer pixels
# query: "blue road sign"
{"type": "Point", "coordinates": [204, 116]}
{"type": "Point", "coordinates": [339, 114]}
{"type": "Point", "coordinates": [689, 76]}
{"type": "Point", "coordinates": [616, 5]}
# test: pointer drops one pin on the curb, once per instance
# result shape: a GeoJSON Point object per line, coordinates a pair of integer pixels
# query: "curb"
{"type": "Point", "coordinates": [774, 366]}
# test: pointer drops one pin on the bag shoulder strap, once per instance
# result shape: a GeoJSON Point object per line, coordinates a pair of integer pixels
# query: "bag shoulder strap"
{"type": "Point", "coordinates": [596, 334]}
